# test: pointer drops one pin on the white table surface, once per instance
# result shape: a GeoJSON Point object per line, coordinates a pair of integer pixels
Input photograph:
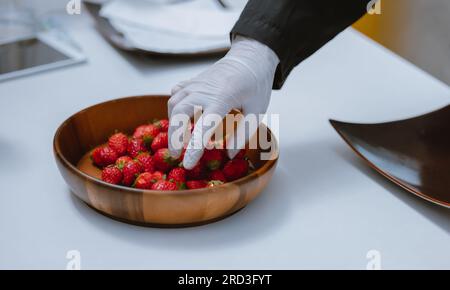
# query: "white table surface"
{"type": "Point", "coordinates": [323, 209]}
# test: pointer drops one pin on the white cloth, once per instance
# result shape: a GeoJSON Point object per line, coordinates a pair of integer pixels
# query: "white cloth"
{"type": "Point", "coordinates": [202, 18]}
{"type": "Point", "coordinates": [171, 26]}
{"type": "Point", "coordinates": [163, 42]}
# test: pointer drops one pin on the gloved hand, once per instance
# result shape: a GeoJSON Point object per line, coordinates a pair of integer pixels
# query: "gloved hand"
{"type": "Point", "coordinates": [242, 79]}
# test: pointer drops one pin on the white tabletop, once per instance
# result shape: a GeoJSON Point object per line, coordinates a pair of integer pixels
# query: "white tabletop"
{"type": "Point", "coordinates": [323, 209]}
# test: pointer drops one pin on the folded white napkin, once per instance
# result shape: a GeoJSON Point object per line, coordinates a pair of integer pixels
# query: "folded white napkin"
{"type": "Point", "coordinates": [204, 19]}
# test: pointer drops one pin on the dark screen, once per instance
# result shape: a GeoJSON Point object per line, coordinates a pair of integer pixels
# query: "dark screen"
{"type": "Point", "coordinates": [26, 54]}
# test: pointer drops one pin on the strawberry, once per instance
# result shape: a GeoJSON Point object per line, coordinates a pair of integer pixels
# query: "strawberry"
{"type": "Point", "coordinates": [196, 184]}
{"type": "Point", "coordinates": [136, 146]}
{"type": "Point", "coordinates": [157, 176]}
{"type": "Point", "coordinates": [119, 143]}
{"type": "Point", "coordinates": [163, 161]}
{"type": "Point", "coordinates": [178, 176]}
{"type": "Point", "coordinates": [217, 175]}
{"type": "Point", "coordinates": [241, 154]}
{"type": "Point", "coordinates": [235, 169]}
{"type": "Point", "coordinates": [103, 156]}
{"type": "Point", "coordinates": [120, 162]}
{"type": "Point", "coordinates": [160, 141]}
{"type": "Point", "coordinates": [162, 125]}
{"type": "Point", "coordinates": [144, 181]}
{"type": "Point", "coordinates": [112, 174]}
{"type": "Point", "coordinates": [146, 132]}
{"type": "Point", "coordinates": [183, 151]}
{"type": "Point", "coordinates": [146, 161]}
{"type": "Point", "coordinates": [198, 172]}
{"type": "Point", "coordinates": [130, 171]}
{"type": "Point", "coordinates": [213, 158]}
{"type": "Point", "coordinates": [164, 185]}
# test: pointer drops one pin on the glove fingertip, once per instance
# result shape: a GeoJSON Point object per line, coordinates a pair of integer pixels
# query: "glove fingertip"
{"type": "Point", "coordinates": [174, 153]}
{"type": "Point", "coordinates": [187, 163]}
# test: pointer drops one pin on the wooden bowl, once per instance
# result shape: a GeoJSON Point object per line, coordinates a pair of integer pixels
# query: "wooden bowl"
{"type": "Point", "coordinates": [92, 126]}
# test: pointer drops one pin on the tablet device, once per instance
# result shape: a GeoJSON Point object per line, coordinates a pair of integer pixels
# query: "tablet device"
{"type": "Point", "coordinates": [37, 53]}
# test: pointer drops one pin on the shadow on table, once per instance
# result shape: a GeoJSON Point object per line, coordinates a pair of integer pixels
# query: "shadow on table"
{"type": "Point", "coordinates": [12, 156]}
{"type": "Point", "coordinates": [435, 213]}
{"type": "Point", "coordinates": [263, 217]}
{"type": "Point", "coordinates": [310, 171]}
{"type": "Point", "coordinates": [147, 64]}
{"type": "Point", "coordinates": [301, 169]}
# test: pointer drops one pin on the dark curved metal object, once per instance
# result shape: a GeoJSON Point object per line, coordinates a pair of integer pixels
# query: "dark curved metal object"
{"type": "Point", "coordinates": [413, 153]}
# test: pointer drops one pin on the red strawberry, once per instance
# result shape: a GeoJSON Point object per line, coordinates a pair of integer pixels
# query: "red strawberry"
{"type": "Point", "coordinates": [120, 162]}
{"type": "Point", "coordinates": [119, 143]}
{"type": "Point", "coordinates": [160, 141]}
{"type": "Point", "coordinates": [213, 158]}
{"type": "Point", "coordinates": [241, 154]}
{"type": "Point", "coordinates": [157, 176]}
{"type": "Point", "coordinates": [164, 185]}
{"type": "Point", "coordinates": [130, 171]}
{"type": "Point", "coordinates": [144, 181]}
{"type": "Point", "coordinates": [217, 175]}
{"type": "Point", "coordinates": [183, 151]}
{"type": "Point", "coordinates": [136, 146]}
{"type": "Point", "coordinates": [162, 125]}
{"type": "Point", "coordinates": [178, 176]}
{"type": "Point", "coordinates": [235, 169]}
{"type": "Point", "coordinates": [163, 161]}
{"type": "Point", "coordinates": [198, 172]}
{"type": "Point", "coordinates": [112, 174]}
{"type": "Point", "coordinates": [196, 184]}
{"type": "Point", "coordinates": [146, 161]}
{"type": "Point", "coordinates": [146, 132]}
{"type": "Point", "coordinates": [103, 156]}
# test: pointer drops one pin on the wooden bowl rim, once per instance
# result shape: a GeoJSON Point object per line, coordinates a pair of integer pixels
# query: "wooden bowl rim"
{"type": "Point", "coordinates": [57, 151]}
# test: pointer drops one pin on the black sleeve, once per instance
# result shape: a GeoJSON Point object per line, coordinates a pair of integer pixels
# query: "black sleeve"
{"type": "Point", "coordinates": [295, 29]}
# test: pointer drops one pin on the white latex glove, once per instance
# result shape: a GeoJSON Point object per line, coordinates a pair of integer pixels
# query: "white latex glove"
{"type": "Point", "coordinates": [242, 80]}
